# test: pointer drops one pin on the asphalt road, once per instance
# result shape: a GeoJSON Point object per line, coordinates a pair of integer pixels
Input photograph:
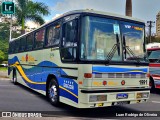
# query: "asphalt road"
{"type": "Point", "coordinates": [20, 98]}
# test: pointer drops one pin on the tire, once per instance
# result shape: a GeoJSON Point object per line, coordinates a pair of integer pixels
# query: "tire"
{"type": "Point", "coordinates": [14, 77]}
{"type": "Point", "coordinates": [53, 92]}
{"type": "Point", "coordinates": [153, 89]}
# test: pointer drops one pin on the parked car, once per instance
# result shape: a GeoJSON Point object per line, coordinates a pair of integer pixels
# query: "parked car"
{"type": "Point", "coordinates": [3, 65]}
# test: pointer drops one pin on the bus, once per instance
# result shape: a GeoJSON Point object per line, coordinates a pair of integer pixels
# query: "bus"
{"type": "Point", "coordinates": [153, 51]}
{"type": "Point", "coordinates": [85, 59]}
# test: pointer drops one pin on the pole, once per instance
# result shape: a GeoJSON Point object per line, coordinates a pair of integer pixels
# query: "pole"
{"type": "Point", "coordinates": [150, 31]}
{"type": "Point", "coordinates": [150, 25]}
{"type": "Point", "coordinates": [10, 32]}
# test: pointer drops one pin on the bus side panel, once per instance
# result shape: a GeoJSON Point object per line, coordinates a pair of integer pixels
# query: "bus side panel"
{"type": "Point", "coordinates": [32, 71]}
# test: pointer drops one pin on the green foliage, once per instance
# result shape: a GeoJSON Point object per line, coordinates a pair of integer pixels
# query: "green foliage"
{"type": "Point", "coordinates": [4, 40]}
{"type": "Point", "coordinates": [1, 56]}
{"type": "Point", "coordinates": [5, 62]}
{"type": "Point", "coordinates": [29, 10]}
{"type": "Point", "coordinates": [3, 68]}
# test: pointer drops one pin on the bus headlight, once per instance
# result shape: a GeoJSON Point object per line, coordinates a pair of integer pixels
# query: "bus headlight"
{"type": "Point", "coordinates": [143, 95]}
{"type": "Point", "coordinates": [96, 98]}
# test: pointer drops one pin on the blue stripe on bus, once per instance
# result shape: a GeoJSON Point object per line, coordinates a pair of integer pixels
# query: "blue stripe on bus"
{"type": "Point", "coordinates": [66, 94]}
{"type": "Point", "coordinates": [40, 74]}
{"type": "Point", "coordinates": [101, 69]}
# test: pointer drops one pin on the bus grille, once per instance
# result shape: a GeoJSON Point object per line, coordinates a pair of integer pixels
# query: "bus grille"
{"type": "Point", "coordinates": [119, 75]}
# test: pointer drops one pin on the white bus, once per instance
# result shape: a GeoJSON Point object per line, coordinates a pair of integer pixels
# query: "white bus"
{"type": "Point", "coordinates": [85, 59]}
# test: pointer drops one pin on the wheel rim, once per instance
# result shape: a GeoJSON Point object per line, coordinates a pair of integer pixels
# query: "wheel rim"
{"type": "Point", "coordinates": [53, 93]}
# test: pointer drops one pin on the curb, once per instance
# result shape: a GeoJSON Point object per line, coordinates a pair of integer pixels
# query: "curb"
{"type": "Point", "coordinates": [4, 78]}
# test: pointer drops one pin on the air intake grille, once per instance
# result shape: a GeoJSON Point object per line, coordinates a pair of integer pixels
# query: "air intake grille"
{"type": "Point", "coordinates": [119, 75]}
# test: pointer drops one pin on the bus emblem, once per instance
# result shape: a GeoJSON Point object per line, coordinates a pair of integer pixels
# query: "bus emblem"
{"type": "Point", "coordinates": [68, 84]}
{"type": "Point", "coordinates": [26, 57]}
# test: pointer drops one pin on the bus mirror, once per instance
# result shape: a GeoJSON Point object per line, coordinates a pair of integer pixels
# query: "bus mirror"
{"type": "Point", "coordinates": [118, 44]}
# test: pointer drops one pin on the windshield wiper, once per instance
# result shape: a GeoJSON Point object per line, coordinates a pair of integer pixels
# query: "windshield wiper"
{"type": "Point", "coordinates": [113, 50]}
{"type": "Point", "coordinates": [128, 50]}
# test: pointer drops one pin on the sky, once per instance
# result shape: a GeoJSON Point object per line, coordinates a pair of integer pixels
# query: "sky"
{"type": "Point", "coordinates": [142, 9]}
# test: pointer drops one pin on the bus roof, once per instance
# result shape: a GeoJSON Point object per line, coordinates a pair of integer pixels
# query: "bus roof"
{"type": "Point", "coordinates": [153, 49]}
{"type": "Point", "coordinates": [85, 11]}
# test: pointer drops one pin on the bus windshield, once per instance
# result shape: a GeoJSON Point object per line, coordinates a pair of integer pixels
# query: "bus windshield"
{"type": "Point", "coordinates": [133, 35]}
{"type": "Point", "coordinates": [154, 56]}
{"type": "Point", "coordinates": [99, 35]}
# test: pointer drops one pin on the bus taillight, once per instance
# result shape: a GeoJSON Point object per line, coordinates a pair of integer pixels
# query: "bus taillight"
{"type": "Point", "coordinates": [88, 75]}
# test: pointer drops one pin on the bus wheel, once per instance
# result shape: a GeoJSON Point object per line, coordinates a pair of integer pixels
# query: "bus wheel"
{"type": "Point", "coordinates": [53, 92]}
{"type": "Point", "coordinates": [14, 77]}
{"type": "Point", "coordinates": [152, 85]}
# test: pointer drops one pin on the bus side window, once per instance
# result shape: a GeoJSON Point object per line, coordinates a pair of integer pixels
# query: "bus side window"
{"type": "Point", "coordinates": [53, 35]}
{"type": "Point", "coordinates": [29, 40]}
{"type": "Point", "coordinates": [39, 39]}
{"type": "Point", "coordinates": [11, 47]}
{"type": "Point", "coordinates": [22, 44]}
{"type": "Point", "coordinates": [17, 45]}
{"type": "Point", "coordinates": [69, 40]}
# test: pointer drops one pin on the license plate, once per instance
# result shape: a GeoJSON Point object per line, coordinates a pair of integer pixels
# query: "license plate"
{"type": "Point", "coordinates": [121, 103]}
{"type": "Point", "coordinates": [101, 98]}
{"type": "Point", "coordinates": [122, 96]}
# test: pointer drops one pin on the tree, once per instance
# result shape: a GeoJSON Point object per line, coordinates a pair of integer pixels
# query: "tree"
{"type": "Point", "coordinates": [4, 39]}
{"type": "Point", "coordinates": [1, 56]}
{"type": "Point", "coordinates": [29, 10]}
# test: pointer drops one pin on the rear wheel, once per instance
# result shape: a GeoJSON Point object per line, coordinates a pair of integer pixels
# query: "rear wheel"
{"type": "Point", "coordinates": [53, 92]}
{"type": "Point", "coordinates": [14, 77]}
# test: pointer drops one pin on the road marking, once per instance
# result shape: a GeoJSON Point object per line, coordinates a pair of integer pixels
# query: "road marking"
{"type": "Point", "coordinates": [155, 101]}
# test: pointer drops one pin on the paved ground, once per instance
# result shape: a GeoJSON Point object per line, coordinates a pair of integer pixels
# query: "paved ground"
{"type": "Point", "coordinates": [20, 98]}
{"type": "Point", "coordinates": [3, 74]}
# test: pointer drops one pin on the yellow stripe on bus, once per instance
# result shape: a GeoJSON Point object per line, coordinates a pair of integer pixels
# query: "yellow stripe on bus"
{"type": "Point", "coordinates": [24, 75]}
{"type": "Point", "coordinates": [68, 91]}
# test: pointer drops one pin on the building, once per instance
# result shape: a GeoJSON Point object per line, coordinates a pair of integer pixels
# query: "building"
{"type": "Point", "coordinates": [129, 8]}
{"type": "Point", "coordinates": [158, 25]}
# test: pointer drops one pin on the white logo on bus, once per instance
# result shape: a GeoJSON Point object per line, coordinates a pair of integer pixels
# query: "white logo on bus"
{"type": "Point", "coordinates": [68, 84]}
{"type": "Point", "coordinates": [127, 26]}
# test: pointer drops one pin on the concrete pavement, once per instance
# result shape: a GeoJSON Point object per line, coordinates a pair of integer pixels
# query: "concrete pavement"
{"type": "Point", "coordinates": [3, 74]}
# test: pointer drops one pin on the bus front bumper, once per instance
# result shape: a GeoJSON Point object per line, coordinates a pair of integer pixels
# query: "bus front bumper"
{"type": "Point", "coordinates": [102, 98]}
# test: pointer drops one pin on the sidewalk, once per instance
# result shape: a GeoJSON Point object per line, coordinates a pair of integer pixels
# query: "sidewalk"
{"type": "Point", "coordinates": [3, 74]}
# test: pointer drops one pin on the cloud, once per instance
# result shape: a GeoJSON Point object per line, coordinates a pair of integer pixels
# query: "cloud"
{"type": "Point", "coordinates": [46, 21]}
{"type": "Point", "coordinates": [57, 15]}
{"type": "Point", "coordinates": [113, 6]}
{"type": "Point", "coordinates": [31, 24]}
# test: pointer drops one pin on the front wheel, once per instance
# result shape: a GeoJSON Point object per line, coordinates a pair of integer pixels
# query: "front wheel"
{"type": "Point", "coordinates": [53, 92]}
